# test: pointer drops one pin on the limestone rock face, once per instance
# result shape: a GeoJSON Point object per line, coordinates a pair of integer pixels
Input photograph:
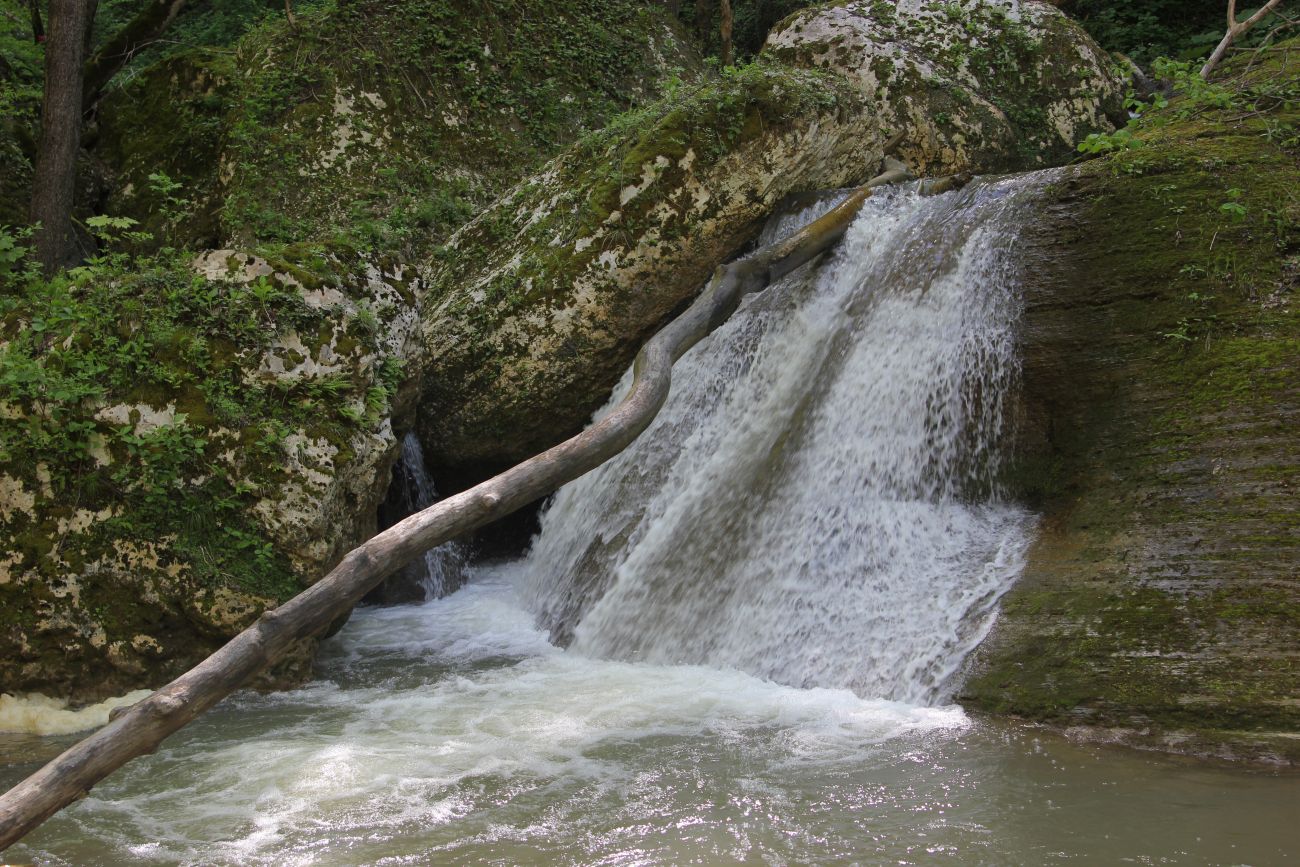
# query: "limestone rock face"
{"type": "Point", "coordinates": [232, 474]}
{"type": "Point", "coordinates": [542, 300]}
{"type": "Point", "coordinates": [978, 85]}
{"type": "Point", "coordinates": [1159, 439]}
{"type": "Point", "coordinates": [540, 303]}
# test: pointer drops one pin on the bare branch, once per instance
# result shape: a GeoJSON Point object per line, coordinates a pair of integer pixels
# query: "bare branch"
{"type": "Point", "coordinates": [1234, 30]}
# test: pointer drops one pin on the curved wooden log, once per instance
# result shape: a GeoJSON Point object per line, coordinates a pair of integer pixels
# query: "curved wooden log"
{"type": "Point", "coordinates": [139, 729]}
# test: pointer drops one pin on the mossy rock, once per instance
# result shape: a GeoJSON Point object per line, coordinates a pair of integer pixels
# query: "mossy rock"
{"type": "Point", "coordinates": [979, 86]}
{"type": "Point", "coordinates": [538, 305]}
{"type": "Point", "coordinates": [385, 125]}
{"type": "Point", "coordinates": [169, 125]}
{"type": "Point", "coordinates": [185, 445]}
{"type": "Point", "coordinates": [1162, 376]}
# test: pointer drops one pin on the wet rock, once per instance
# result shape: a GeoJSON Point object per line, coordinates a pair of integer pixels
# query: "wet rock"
{"type": "Point", "coordinates": [1159, 436]}
{"type": "Point", "coordinates": [538, 305]}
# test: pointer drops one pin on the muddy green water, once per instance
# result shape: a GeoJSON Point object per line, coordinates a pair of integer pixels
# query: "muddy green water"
{"type": "Point", "coordinates": [453, 733]}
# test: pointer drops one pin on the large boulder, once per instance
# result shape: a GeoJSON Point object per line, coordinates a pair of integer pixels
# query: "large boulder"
{"type": "Point", "coordinates": [187, 441]}
{"type": "Point", "coordinates": [980, 85]}
{"type": "Point", "coordinates": [541, 301]}
{"type": "Point", "coordinates": [184, 446]}
{"type": "Point", "coordinates": [387, 124]}
{"type": "Point", "coordinates": [539, 304]}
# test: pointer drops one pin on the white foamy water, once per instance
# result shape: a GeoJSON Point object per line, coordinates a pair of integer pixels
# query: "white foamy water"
{"type": "Point", "coordinates": [441, 570]}
{"type": "Point", "coordinates": [42, 715]}
{"type": "Point", "coordinates": [425, 706]}
{"type": "Point", "coordinates": [817, 502]}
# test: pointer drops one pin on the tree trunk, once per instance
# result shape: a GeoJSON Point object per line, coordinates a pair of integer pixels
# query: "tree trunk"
{"type": "Point", "coordinates": [703, 21]}
{"type": "Point", "coordinates": [55, 179]}
{"type": "Point", "coordinates": [725, 31]}
{"type": "Point", "coordinates": [139, 729]}
{"type": "Point", "coordinates": [38, 28]}
{"type": "Point", "coordinates": [143, 29]}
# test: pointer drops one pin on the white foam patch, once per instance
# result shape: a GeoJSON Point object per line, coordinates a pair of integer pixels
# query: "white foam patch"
{"type": "Point", "coordinates": [370, 755]}
{"type": "Point", "coordinates": [37, 714]}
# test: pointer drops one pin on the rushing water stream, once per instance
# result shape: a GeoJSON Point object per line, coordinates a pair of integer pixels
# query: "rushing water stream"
{"type": "Point", "coordinates": [765, 603]}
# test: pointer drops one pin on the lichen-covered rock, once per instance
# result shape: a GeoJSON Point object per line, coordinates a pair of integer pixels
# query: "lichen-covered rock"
{"type": "Point", "coordinates": [188, 442]}
{"type": "Point", "coordinates": [540, 302]}
{"type": "Point", "coordinates": [1160, 605]}
{"type": "Point", "coordinates": [185, 446]}
{"type": "Point", "coordinates": [979, 85]}
{"type": "Point", "coordinates": [387, 124]}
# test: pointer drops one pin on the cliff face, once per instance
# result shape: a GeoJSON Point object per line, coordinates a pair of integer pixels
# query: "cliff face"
{"type": "Point", "coordinates": [1162, 378]}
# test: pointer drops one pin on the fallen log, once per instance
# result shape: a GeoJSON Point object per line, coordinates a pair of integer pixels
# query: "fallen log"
{"type": "Point", "coordinates": [139, 729]}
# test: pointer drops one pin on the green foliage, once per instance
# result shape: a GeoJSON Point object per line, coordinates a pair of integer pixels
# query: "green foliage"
{"type": "Point", "coordinates": [149, 336]}
{"type": "Point", "coordinates": [751, 22]}
{"type": "Point", "coordinates": [1183, 29]}
{"type": "Point", "coordinates": [459, 100]}
{"type": "Point", "coordinates": [1246, 97]}
{"type": "Point", "coordinates": [20, 102]}
{"type": "Point", "coordinates": [200, 24]}
{"type": "Point", "coordinates": [1233, 206]}
{"type": "Point", "coordinates": [21, 60]}
{"type": "Point", "coordinates": [1104, 143]}
{"type": "Point", "coordinates": [14, 262]}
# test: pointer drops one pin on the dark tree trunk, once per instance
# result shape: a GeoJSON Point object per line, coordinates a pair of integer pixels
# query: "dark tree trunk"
{"type": "Point", "coordinates": [55, 179]}
{"type": "Point", "coordinates": [704, 20]}
{"type": "Point", "coordinates": [725, 7]}
{"type": "Point", "coordinates": [144, 28]}
{"type": "Point", "coordinates": [38, 28]}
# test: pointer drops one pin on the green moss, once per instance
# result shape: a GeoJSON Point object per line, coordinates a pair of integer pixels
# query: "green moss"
{"type": "Point", "coordinates": [187, 345]}
{"type": "Point", "coordinates": [486, 91]}
{"type": "Point", "coordinates": [1161, 595]}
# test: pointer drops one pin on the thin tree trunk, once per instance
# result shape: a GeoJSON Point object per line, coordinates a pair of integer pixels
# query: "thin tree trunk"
{"type": "Point", "coordinates": [143, 29]}
{"type": "Point", "coordinates": [139, 729]}
{"type": "Point", "coordinates": [55, 179]}
{"type": "Point", "coordinates": [703, 20]}
{"type": "Point", "coordinates": [38, 28]}
{"type": "Point", "coordinates": [725, 30]}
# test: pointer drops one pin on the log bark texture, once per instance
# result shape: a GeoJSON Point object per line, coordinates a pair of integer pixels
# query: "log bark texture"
{"type": "Point", "coordinates": [139, 729]}
{"type": "Point", "coordinates": [1235, 29]}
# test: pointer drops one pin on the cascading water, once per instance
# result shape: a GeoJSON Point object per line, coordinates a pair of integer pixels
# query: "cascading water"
{"type": "Point", "coordinates": [817, 504]}
{"type": "Point", "coordinates": [442, 569]}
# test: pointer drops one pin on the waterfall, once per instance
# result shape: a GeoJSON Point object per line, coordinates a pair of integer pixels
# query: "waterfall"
{"type": "Point", "coordinates": [818, 502]}
{"type": "Point", "coordinates": [441, 570]}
